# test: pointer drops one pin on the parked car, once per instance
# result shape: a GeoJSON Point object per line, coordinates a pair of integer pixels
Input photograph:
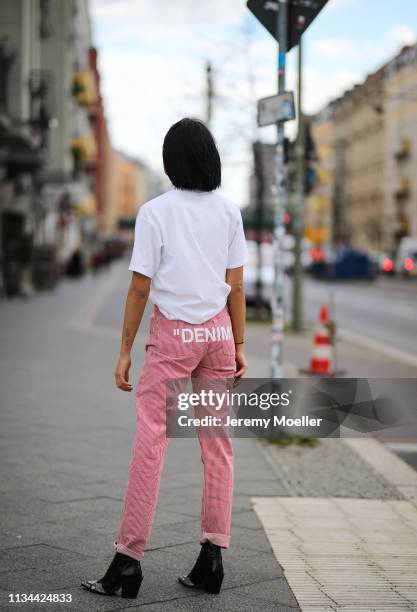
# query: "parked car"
{"type": "Point", "coordinates": [76, 264]}
{"type": "Point", "coordinates": [406, 260]}
{"type": "Point", "coordinates": [386, 263]}
{"type": "Point", "coordinates": [250, 274]}
{"type": "Point", "coordinates": [346, 264]}
{"type": "Point", "coordinates": [267, 268]}
{"type": "Point", "coordinates": [289, 256]}
{"type": "Point", "coordinates": [353, 264]}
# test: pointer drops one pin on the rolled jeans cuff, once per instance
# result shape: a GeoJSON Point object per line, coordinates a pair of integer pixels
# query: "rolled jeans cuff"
{"type": "Point", "coordinates": [220, 539]}
{"type": "Point", "coordinates": [130, 553]}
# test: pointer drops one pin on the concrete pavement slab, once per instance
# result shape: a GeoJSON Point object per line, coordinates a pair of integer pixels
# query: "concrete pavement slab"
{"type": "Point", "coordinates": [323, 570]}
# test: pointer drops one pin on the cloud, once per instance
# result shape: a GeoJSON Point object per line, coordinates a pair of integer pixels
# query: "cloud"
{"type": "Point", "coordinates": [319, 89]}
{"type": "Point", "coordinates": [390, 43]}
{"type": "Point", "coordinates": [144, 98]}
{"type": "Point", "coordinates": [335, 48]}
{"type": "Point", "coordinates": [166, 13]}
{"type": "Point", "coordinates": [152, 61]}
{"type": "Point", "coordinates": [401, 35]}
{"type": "Point", "coordinates": [339, 5]}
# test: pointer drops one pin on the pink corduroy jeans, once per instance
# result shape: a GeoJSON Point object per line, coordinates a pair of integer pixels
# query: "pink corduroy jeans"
{"type": "Point", "coordinates": [178, 350]}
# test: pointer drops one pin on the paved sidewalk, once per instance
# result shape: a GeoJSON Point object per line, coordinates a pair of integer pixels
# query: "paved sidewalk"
{"type": "Point", "coordinates": [345, 554]}
{"type": "Point", "coordinates": [345, 533]}
{"type": "Point", "coordinates": [364, 360]}
{"type": "Point", "coordinates": [66, 439]}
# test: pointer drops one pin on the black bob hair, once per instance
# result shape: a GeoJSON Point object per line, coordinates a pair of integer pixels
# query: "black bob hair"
{"type": "Point", "coordinates": [191, 159]}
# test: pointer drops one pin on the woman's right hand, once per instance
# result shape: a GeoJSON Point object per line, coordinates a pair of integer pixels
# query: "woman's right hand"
{"type": "Point", "coordinates": [121, 373]}
{"type": "Point", "coordinates": [241, 363]}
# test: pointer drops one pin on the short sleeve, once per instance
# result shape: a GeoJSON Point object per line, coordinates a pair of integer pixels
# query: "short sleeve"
{"type": "Point", "coordinates": [146, 254]}
{"type": "Point", "coordinates": [238, 250]}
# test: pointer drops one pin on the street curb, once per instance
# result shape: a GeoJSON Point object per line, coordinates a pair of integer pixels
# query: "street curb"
{"type": "Point", "coordinates": [376, 345]}
{"type": "Point", "coordinates": [395, 471]}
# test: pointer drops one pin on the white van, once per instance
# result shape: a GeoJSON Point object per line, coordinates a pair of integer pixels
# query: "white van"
{"type": "Point", "coordinates": [406, 259]}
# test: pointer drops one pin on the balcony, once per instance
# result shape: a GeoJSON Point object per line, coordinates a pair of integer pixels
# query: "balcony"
{"type": "Point", "coordinates": [84, 88]}
{"type": "Point", "coordinates": [20, 146]}
{"type": "Point", "coordinates": [84, 151]}
{"type": "Point", "coordinates": [404, 150]}
{"type": "Point", "coordinates": [7, 56]}
{"type": "Point", "coordinates": [87, 206]}
{"type": "Point", "coordinates": [403, 191]}
{"type": "Point", "coordinates": [46, 28]}
{"type": "Point", "coordinates": [40, 91]}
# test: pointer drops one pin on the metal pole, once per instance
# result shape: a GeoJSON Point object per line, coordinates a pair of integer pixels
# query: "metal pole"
{"type": "Point", "coordinates": [209, 94]}
{"type": "Point", "coordinates": [298, 213]}
{"type": "Point", "coordinates": [259, 221]}
{"type": "Point", "coordinates": [334, 334]}
{"type": "Point", "coordinates": [281, 203]}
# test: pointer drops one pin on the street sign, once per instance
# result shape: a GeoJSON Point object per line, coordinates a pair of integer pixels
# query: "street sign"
{"type": "Point", "coordinates": [276, 108]}
{"type": "Point", "coordinates": [300, 15]}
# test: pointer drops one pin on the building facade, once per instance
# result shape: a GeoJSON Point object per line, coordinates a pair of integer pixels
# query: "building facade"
{"type": "Point", "coordinates": [366, 142]}
{"type": "Point", "coordinates": [400, 177]}
{"type": "Point", "coordinates": [24, 122]}
{"type": "Point", "coordinates": [318, 224]}
{"type": "Point", "coordinates": [133, 184]}
{"type": "Point", "coordinates": [102, 168]}
{"type": "Point", "coordinates": [68, 181]}
{"type": "Point", "coordinates": [359, 197]}
{"type": "Point", "coordinates": [258, 217]}
{"type": "Point", "coordinates": [54, 146]}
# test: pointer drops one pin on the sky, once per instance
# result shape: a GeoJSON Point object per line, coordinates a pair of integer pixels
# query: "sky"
{"type": "Point", "coordinates": [152, 57]}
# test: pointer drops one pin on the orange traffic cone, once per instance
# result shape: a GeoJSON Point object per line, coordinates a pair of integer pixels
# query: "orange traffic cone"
{"type": "Point", "coordinates": [321, 360]}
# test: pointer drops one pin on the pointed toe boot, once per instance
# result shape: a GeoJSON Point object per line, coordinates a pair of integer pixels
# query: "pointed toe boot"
{"type": "Point", "coordinates": [207, 572]}
{"type": "Point", "coordinates": [123, 578]}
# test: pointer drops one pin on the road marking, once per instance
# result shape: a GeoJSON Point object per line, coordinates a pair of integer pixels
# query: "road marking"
{"type": "Point", "coordinates": [344, 554]}
{"type": "Point", "coordinates": [376, 345]}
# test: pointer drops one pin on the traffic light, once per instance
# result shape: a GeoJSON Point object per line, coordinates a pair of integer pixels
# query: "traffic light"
{"type": "Point", "coordinates": [287, 150]}
{"type": "Point", "coordinates": [288, 222]}
{"type": "Point", "coordinates": [310, 179]}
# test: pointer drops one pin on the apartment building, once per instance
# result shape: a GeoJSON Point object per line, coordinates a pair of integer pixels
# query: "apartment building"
{"type": "Point", "coordinates": [367, 145]}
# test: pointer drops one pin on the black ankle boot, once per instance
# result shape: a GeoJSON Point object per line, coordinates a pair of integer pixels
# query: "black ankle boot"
{"type": "Point", "coordinates": [207, 572]}
{"type": "Point", "coordinates": [123, 577]}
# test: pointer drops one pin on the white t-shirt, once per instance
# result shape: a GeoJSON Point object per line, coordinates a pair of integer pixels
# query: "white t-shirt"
{"type": "Point", "coordinates": [185, 241]}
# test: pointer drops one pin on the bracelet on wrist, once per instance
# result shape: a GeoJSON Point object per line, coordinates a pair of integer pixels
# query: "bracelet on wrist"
{"type": "Point", "coordinates": [243, 342]}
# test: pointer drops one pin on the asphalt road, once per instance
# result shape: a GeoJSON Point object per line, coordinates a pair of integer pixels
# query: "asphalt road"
{"type": "Point", "coordinates": [385, 310]}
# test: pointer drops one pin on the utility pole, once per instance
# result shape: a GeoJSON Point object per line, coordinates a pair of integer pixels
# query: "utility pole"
{"type": "Point", "coordinates": [209, 93]}
{"type": "Point", "coordinates": [298, 214]}
{"type": "Point", "coordinates": [281, 203]}
{"type": "Point", "coordinates": [259, 220]}
{"type": "Point", "coordinates": [285, 20]}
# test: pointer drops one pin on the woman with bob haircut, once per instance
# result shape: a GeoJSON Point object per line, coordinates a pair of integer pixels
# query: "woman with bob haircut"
{"type": "Point", "coordinates": [188, 257]}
